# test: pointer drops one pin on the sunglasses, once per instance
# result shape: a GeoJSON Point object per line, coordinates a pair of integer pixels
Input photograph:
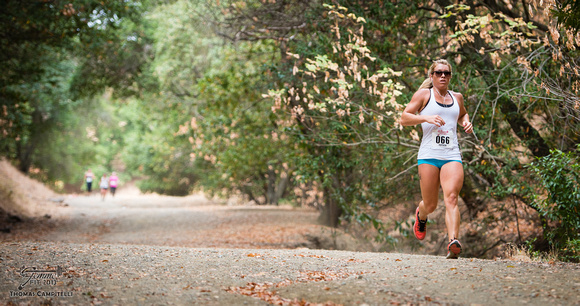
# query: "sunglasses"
{"type": "Point", "coordinates": [440, 73]}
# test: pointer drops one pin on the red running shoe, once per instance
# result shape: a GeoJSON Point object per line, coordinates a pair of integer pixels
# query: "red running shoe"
{"type": "Point", "coordinates": [453, 249]}
{"type": "Point", "coordinates": [420, 226]}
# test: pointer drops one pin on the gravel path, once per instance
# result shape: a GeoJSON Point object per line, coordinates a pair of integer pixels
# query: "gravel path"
{"type": "Point", "coordinates": [180, 221]}
{"type": "Point", "coordinates": [160, 251]}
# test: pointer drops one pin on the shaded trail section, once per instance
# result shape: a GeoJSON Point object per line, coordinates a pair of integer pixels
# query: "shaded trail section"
{"type": "Point", "coordinates": [190, 221]}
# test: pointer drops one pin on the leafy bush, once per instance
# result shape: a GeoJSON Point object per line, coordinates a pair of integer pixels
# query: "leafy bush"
{"type": "Point", "coordinates": [559, 175]}
{"type": "Point", "coordinates": [174, 177]}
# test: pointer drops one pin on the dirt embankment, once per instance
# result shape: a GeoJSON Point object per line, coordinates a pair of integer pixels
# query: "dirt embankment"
{"type": "Point", "coordinates": [23, 199]}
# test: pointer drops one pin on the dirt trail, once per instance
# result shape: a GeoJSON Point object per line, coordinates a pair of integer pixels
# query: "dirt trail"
{"type": "Point", "coordinates": [145, 250]}
{"type": "Point", "coordinates": [190, 221]}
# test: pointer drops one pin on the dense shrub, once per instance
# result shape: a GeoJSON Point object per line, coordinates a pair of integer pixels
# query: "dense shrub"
{"type": "Point", "coordinates": [559, 175]}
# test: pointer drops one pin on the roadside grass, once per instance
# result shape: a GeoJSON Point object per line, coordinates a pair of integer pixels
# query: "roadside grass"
{"type": "Point", "coordinates": [525, 253]}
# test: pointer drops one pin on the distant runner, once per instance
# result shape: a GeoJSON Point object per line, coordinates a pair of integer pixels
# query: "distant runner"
{"type": "Point", "coordinates": [113, 182]}
{"type": "Point", "coordinates": [438, 110]}
{"type": "Point", "coordinates": [89, 177]}
{"type": "Point", "coordinates": [104, 184]}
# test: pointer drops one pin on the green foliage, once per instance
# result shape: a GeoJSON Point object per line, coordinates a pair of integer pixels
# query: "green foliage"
{"type": "Point", "coordinates": [568, 13]}
{"type": "Point", "coordinates": [240, 146]}
{"type": "Point", "coordinates": [111, 48]}
{"type": "Point", "coordinates": [149, 146]}
{"type": "Point", "coordinates": [173, 175]}
{"type": "Point", "coordinates": [53, 55]}
{"type": "Point", "coordinates": [559, 175]}
{"type": "Point", "coordinates": [343, 100]}
{"type": "Point", "coordinates": [227, 141]}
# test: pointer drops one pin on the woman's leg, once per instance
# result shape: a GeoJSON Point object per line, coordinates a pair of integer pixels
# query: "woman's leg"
{"type": "Point", "coordinates": [430, 182]}
{"type": "Point", "coordinates": [451, 183]}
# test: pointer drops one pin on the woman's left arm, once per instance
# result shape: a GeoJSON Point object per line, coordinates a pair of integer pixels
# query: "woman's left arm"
{"type": "Point", "coordinates": [463, 119]}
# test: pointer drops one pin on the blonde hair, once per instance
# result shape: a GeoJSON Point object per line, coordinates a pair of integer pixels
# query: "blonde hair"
{"type": "Point", "coordinates": [428, 83]}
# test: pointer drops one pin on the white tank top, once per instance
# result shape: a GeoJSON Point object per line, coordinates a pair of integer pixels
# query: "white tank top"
{"type": "Point", "coordinates": [440, 142]}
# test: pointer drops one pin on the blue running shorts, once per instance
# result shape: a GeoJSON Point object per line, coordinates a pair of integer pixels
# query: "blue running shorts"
{"type": "Point", "coordinates": [436, 162]}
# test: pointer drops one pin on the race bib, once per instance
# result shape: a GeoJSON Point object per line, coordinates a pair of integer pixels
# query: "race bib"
{"type": "Point", "coordinates": [441, 139]}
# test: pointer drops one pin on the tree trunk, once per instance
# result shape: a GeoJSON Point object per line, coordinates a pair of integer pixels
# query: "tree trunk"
{"type": "Point", "coordinates": [24, 156]}
{"type": "Point", "coordinates": [523, 129]}
{"type": "Point", "coordinates": [250, 195]}
{"type": "Point", "coordinates": [25, 151]}
{"type": "Point", "coordinates": [331, 211]}
{"type": "Point", "coordinates": [282, 186]}
{"type": "Point", "coordinates": [470, 197]}
{"type": "Point", "coordinates": [271, 189]}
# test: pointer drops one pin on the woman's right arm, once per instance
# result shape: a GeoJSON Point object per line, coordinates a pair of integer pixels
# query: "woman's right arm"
{"type": "Point", "coordinates": [410, 116]}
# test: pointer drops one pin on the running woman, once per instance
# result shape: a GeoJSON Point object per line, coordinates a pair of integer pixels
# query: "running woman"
{"type": "Point", "coordinates": [113, 182]}
{"type": "Point", "coordinates": [89, 177]}
{"type": "Point", "coordinates": [104, 184]}
{"type": "Point", "coordinates": [439, 111]}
